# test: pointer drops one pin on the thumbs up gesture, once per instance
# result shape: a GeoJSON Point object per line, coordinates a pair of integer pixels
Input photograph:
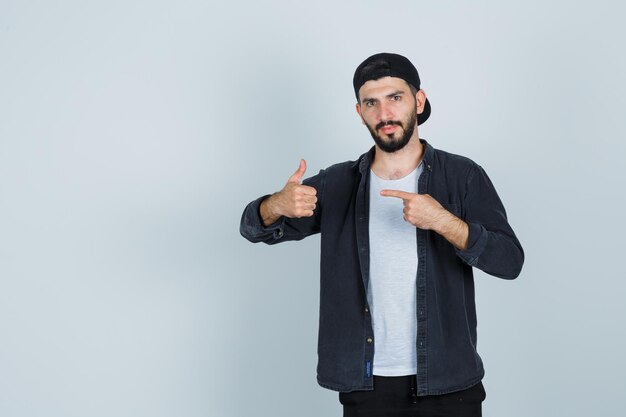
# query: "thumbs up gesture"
{"type": "Point", "coordinates": [294, 200]}
{"type": "Point", "coordinates": [297, 176]}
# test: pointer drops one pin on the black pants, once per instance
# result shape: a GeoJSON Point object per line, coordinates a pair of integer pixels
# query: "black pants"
{"type": "Point", "coordinates": [392, 397]}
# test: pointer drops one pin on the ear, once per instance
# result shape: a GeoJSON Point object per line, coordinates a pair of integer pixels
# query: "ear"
{"type": "Point", "coordinates": [420, 100]}
{"type": "Point", "coordinates": [358, 110]}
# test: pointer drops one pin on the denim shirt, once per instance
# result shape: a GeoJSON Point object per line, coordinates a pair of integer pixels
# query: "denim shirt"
{"type": "Point", "coordinates": [447, 359]}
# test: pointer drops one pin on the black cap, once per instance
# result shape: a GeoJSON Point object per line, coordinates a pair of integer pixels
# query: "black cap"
{"type": "Point", "coordinates": [389, 65]}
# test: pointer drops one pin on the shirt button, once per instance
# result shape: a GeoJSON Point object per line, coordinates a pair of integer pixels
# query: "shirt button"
{"type": "Point", "coordinates": [369, 340]}
{"type": "Point", "coordinates": [367, 310]}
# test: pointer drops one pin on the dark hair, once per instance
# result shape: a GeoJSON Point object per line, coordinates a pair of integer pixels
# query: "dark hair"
{"type": "Point", "coordinates": [376, 67]}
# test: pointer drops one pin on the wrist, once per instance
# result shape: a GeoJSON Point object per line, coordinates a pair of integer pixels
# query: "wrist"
{"type": "Point", "coordinates": [454, 230]}
{"type": "Point", "coordinates": [268, 211]}
{"type": "Point", "coordinates": [445, 221]}
{"type": "Point", "coordinates": [265, 211]}
{"type": "Point", "coordinates": [271, 208]}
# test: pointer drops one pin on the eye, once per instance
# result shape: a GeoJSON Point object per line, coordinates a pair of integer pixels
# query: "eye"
{"type": "Point", "coordinates": [369, 103]}
{"type": "Point", "coordinates": [397, 97]}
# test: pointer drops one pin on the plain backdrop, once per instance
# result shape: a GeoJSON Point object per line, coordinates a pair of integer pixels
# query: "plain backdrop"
{"type": "Point", "coordinates": [133, 134]}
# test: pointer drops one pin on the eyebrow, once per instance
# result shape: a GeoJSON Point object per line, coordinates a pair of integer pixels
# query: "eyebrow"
{"type": "Point", "coordinates": [395, 93]}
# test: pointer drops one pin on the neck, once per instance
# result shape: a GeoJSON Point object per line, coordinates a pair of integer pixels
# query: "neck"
{"type": "Point", "coordinates": [399, 164]}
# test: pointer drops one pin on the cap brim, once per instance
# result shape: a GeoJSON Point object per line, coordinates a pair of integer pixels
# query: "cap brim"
{"type": "Point", "coordinates": [423, 116]}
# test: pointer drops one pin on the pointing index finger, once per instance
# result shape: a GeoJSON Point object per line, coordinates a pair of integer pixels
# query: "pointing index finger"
{"type": "Point", "coordinates": [396, 193]}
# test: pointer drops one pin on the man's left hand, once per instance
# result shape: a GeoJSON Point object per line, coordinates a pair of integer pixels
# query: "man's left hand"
{"type": "Point", "coordinates": [421, 210]}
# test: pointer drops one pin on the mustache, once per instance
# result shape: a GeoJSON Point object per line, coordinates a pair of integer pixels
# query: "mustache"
{"type": "Point", "coordinates": [388, 123]}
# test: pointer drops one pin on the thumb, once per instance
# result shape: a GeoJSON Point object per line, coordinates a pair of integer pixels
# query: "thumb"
{"type": "Point", "coordinates": [297, 176]}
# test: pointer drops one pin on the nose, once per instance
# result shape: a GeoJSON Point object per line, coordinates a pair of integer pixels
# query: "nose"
{"type": "Point", "coordinates": [385, 113]}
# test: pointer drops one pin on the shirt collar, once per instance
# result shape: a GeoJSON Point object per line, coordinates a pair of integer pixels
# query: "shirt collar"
{"type": "Point", "coordinates": [367, 158]}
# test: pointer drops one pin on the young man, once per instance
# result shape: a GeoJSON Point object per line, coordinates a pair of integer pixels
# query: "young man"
{"type": "Point", "coordinates": [401, 229]}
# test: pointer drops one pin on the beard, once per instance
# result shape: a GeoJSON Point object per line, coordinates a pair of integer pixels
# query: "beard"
{"type": "Point", "coordinates": [393, 144]}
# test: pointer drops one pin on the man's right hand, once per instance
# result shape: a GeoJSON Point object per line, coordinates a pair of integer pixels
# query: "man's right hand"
{"type": "Point", "coordinates": [294, 200]}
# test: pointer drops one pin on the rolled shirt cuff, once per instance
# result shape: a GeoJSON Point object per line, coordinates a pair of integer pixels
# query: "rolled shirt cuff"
{"type": "Point", "coordinates": [477, 241]}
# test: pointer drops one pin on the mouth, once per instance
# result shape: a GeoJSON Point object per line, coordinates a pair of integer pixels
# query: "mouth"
{"type": "Point", "coordinates": [388, 129]}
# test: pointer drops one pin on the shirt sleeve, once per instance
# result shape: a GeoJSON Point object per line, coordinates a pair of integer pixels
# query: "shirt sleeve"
{"type": "Point", "coordinates": [492, 244]}
{"type": "Point", "coordinates": [284, 229]}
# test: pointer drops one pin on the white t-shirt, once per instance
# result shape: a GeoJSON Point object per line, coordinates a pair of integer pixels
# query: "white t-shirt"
{"type": "Point", "coordinates": [393, 270]}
